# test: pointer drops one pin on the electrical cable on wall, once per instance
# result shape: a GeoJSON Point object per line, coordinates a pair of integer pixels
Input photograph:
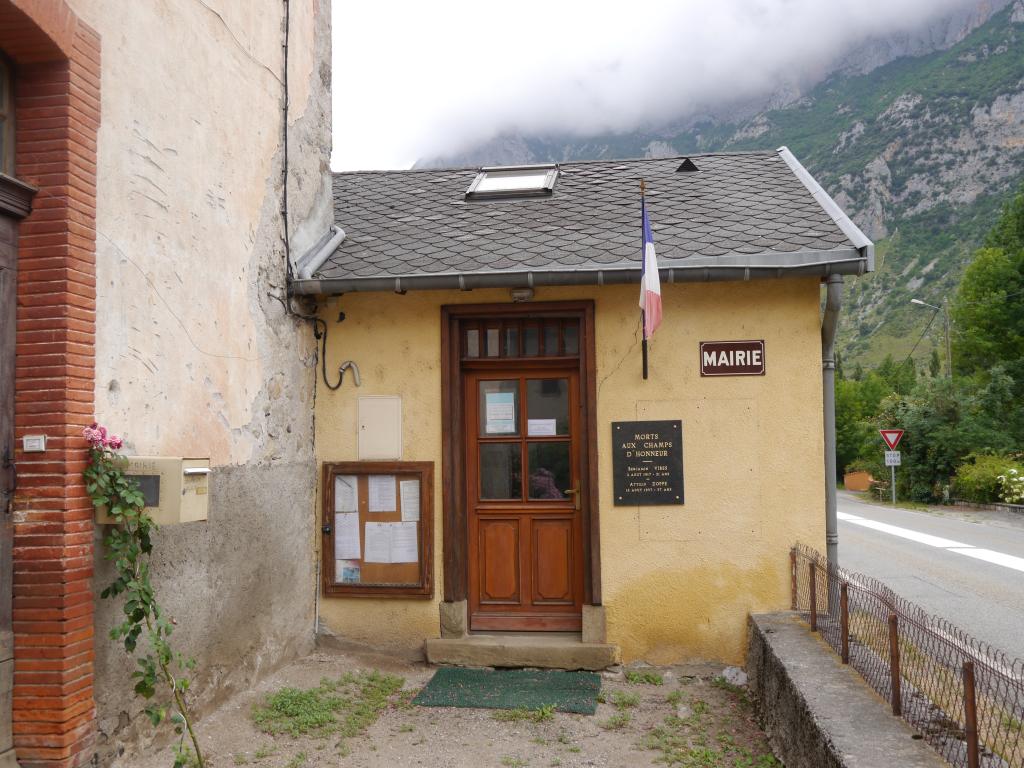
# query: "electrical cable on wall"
{"type": "Point", "coordinates": [319, 325]}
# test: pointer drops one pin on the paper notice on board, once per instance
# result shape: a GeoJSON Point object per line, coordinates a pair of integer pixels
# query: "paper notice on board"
{"type": "Point", "coordinates": [391, 543]}
{"type": "Point", "coordinates": [404, 543]}
{"type": "Point", "coordinates": [500, 413]}
{"type": "Point", "coordinates": [410, 493]}
{"type": "Point", "coordinates": [382, 493]}
{"type": "Point", "coordinates": [541, 427]}
{"type": "Point", "coordinates": [346, 493]}
{"type": "Point", "coordinates": [346, 536]}
{"type": "Point", "coordinates": [347, 572]}
{"type": "Point", "coordinates": [378, 543]}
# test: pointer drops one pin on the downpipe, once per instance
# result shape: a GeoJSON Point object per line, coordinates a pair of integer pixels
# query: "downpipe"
{"type": "Point", "coordinates": [829, 325]}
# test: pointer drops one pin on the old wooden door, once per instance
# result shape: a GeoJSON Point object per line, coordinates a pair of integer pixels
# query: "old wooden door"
{"type": "Point", "coordinates": [8, 264]}
{"type": "Point", "coordinates": [523, 471]}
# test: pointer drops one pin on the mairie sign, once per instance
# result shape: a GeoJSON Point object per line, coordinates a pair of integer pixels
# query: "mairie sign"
{"type": "Point", "coordinates": [732, 358]}
{"type": "Point", "coordinates": [892, 437]}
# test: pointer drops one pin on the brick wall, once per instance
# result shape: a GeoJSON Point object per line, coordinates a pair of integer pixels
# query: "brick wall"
{"type": "Point", "coordinates": [57, 114]}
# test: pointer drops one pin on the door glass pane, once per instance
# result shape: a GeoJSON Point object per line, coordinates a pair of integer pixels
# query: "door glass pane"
{"type": "Point", "coordinates": [571, 337]}
{"type": "Point", "coordinates": [499, 407]}
{"type": "Point", "coordinates": [500, 471]}
{"type": "Point", "coordinates": [512, 342]}
{"type": "Point", "coordinates": [551, 339]}
{"type": "Point", "coordinates": [531, 340]}
{"type": "Point", "coordinates": [547, 407]}
{"type": "Point", "coordinates": [549, 470]}
{"type": "Point", "coordinates": [472, 343]}
{"type": "Point", "coordinates": [493, 342]}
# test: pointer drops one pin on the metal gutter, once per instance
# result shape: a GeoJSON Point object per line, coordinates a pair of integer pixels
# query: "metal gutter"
{"type": "Point", "coordinates": [692, 269]}
{"type": "Point", "coordinates": [829, 325]}
{"type": "Point", "coordinates": [314, 259]}
{"type": "Point", "coordinates": [851, 230]}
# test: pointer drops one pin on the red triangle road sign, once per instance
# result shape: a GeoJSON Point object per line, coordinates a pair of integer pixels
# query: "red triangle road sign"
{"type": "Point", "coordinates": [892, 437]}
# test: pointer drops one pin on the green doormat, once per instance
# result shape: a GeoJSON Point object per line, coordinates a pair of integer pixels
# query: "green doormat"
{"type": "Point", "coordinates": [512, 689]}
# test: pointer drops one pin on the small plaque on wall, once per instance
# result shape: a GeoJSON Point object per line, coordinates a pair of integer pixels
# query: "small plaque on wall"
{"type": "Point", "coordinates": [732, 358]}
{"type": "Point", "coordinates": [647, 462]}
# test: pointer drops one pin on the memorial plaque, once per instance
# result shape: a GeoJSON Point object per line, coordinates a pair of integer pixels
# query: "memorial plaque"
{"type": "Point", "coordinates": [647, 462]}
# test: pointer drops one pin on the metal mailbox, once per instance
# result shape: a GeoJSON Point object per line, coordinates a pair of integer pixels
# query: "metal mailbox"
{"type": "Point", "coordinates": [176, 489]}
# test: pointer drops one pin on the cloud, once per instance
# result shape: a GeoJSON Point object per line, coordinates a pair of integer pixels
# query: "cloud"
{"type": "Point", "coordinates": [416, 79]}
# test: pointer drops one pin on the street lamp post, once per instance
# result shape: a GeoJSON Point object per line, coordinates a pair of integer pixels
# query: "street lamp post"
{"type": "Point", "coordinates": [944, 309]}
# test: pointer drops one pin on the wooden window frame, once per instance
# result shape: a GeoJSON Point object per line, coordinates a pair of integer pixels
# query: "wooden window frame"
{"type": "Point", "coordinates": [425, 471]}
{"type": "Point", "coordinates": [453, 461]}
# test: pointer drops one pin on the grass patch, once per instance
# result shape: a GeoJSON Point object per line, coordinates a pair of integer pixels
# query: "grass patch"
{"type": "Point", "coordinates": [297, 762]}
{"type": "Point", "coordinates": [513, 762]}
{"type": "Point", "coordinates": [347, 706]}
{"type": "Point", "coordinates": [265, 751]}
{"type": "Point", "coordinates": [674, 698]}
{"type": "Point", "coordinates": [617, 722]}
{"type": "Point", "coordinates": [623, 701]}
{"type": "Point", "coordinates": [736, 690]}
{"type": "Point", "coordinates": [539, 715]}
{"type": "Point", "coordinates": [683, 743]}
{"type": "Point", "coordinates": [643, 677]}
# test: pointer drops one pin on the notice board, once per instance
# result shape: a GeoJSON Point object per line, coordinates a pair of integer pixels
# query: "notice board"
{"type": "Point", "coordinates": [377, 528]}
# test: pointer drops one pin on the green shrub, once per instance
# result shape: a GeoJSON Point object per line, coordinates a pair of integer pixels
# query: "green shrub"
{"type": "Point", "coordinates": [977, 478]}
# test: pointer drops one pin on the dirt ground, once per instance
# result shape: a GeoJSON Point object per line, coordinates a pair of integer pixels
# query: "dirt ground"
{"type": "Point", "coordinates": [694, 718]}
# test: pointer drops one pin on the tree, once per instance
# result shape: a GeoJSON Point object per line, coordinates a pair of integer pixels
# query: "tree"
{"type": "Point", "coordinates": [989, 307]}
{"type": "Point", "coordinates": [934, 365]}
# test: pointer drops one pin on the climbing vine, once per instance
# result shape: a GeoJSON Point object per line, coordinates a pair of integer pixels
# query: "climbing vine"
{"type": "Point", "coordinates": [128, 545]}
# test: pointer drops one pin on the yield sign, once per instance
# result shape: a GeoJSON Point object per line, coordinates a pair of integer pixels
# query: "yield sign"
{"type": "Point", "coordinates": [892, 437]}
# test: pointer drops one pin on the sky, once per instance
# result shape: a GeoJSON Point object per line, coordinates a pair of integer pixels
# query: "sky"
{"type": "Point", "coordinates": [417, 79]}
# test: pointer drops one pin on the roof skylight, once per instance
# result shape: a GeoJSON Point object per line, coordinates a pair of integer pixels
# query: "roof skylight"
{"type": "Point", "coordinates": [513, 181]}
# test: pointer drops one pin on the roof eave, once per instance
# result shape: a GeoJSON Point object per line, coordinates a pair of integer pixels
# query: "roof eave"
{"type": "Point", "coordinates": [824, 199]}
{"type": "Point", "coordinates": [847, 261]}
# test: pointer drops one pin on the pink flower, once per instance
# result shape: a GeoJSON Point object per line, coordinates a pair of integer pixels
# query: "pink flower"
{"type": "Point", "coordinates": [97, 436]}
{"type": "Point", "coordinates": [93, 436]}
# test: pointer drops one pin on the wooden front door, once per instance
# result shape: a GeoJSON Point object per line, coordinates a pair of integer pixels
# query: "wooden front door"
{"type": "Point", "coordinates": [523, 433]}
{"type": "Point", "coordinates": [8, 302]}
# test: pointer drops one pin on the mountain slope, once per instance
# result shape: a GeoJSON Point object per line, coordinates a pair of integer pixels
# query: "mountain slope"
{"type": "Point", "coordinates": [921, 152]}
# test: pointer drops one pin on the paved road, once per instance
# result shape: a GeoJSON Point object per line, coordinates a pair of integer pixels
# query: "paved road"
{"type": "Point", "coordinates": [966, 567]}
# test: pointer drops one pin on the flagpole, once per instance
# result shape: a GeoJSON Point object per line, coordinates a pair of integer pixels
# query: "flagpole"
{"type": "Point", "coordinates": [643, 262]}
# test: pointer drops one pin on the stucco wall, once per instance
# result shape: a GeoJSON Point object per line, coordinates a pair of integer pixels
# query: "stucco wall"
{"type": "Point", "coordinates": [194, 356]}
{"type": "Point", "coordinates": [678, 582]}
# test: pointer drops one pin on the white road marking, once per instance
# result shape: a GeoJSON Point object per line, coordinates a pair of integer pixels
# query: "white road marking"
{"type": "Point", "coordinates": [978, 553]}
{"type": "Point", "coordinates": [989, 556]}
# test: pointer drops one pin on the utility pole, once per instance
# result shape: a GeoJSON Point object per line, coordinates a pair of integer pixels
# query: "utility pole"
{"type": "Point", "coordinates": [949, 346]}
{"type": "Point", "coordinates": [944, 309]}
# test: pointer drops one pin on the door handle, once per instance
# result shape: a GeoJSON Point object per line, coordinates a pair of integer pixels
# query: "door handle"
{"type": "Point", "coordinates": [575, 493]}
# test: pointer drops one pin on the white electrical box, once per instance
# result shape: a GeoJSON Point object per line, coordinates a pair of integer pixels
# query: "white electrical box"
{"type": "Point", "coordinates": [33, 443]}
{"type": "Point", "coordinates": [176, 490]}
{"type": "Point", "coordinates": [380, 427]}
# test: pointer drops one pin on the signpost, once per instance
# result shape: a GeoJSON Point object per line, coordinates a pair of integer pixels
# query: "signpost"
{"type": "Point", "coordinates": [892, 438]}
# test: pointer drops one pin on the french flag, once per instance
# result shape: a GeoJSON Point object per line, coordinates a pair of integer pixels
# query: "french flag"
{"type": "Point", "coordinates": [650, 282]}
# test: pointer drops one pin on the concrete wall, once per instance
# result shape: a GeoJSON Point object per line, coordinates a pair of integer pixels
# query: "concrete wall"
{"type": "Point", "coordinates": [678, 582]}
{"type": "Point", "coordinates": [193, 356]}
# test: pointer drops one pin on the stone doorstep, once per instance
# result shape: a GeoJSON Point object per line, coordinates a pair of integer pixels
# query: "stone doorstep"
{"type": "Point", "coordinates": [7, 759]}
{"type": "Point", "coordinates": [547, 650]}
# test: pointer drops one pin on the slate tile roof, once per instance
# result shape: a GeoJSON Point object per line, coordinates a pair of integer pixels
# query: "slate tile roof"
{"type": "Point", "coordinates": [415, 223]}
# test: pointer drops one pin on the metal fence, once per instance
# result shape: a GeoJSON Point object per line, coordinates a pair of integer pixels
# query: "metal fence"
{"type": "Point", "coordinates": [963, 697]}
